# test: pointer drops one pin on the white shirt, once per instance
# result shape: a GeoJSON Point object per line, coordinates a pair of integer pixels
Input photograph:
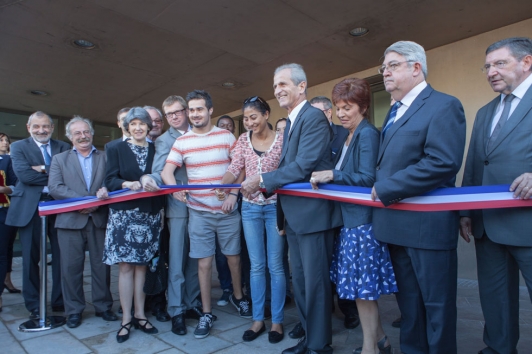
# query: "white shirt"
{"type": "Point", "coordinates": [49, 150]}
{"type": "Point", "coordinates": [293, 115]}
{"type": "Point", "coordinates": [406, 102]}
{"type": "Point", "coordinates": [342, 157]}
{"type": "Point", "coordinates": [519, 92]}
{"type": "Point", "coordinates": [184, 131]}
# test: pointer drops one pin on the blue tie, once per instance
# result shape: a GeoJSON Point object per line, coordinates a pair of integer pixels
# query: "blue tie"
{"type": "Point", "coordinates": [391, 118]}
{"type": "Point", "coordinates": [47, 157]}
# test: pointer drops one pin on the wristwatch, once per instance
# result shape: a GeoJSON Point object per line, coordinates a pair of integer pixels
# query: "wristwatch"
{"type": "Point", "coordinates": [261, 183]}
{"type": "Point", "coordinates": [43, 169]}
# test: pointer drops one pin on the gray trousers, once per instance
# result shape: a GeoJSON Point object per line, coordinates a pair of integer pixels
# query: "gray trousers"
{"type": "Point", "coordinates": [310, 257]}
{"type": "Point", "coordinates": [183, 282]}
{"type": "Point", "coordinates": [498, 279]}
{"type": "Point", "coordinates": [73, 244]}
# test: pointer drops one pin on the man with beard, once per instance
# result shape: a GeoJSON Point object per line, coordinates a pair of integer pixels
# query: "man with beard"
{"type": "Point", "coordinates": [31, 161]}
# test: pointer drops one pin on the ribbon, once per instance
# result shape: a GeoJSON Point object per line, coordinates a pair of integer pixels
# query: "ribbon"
{"type": "Point", "coordinates": [464, 198]}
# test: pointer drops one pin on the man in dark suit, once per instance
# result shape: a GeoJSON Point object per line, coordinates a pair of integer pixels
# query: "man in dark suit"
{"type": "Point", "coordinates": [421, 149]}
{"type": "Point", "coordinates": [31, 161]}
{"type": "Point", "coordinates": [183, 283]}
{"type": "Point", "coordinates": [499, 153]}
{"type": "Point", "coordinates": [339, 133]}
{"type": "Point", "coordinates": [309, 223]}
{"type": "Point", "coordinates": [119, 121]}
{"type": "Point", "coordinates": [78, 173]}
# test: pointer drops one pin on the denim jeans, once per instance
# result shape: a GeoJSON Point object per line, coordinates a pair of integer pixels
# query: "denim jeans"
{"type": "Point", "coordinates": [255, 219]}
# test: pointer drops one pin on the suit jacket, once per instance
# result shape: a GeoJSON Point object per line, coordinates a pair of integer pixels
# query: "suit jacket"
{"type": "Point", "coordinates": [339, 136]}
{"type": "Point", "coordinates": [25, 199]}
{"type": "Point", "coordinates": [67, 181]}
{"type": "Point", "coordinates": [163, 145]}
{"type": "Point", "coordinates": [122, 166]}
{"type": "Point", "coordinates": [420, 152]}
{"type": "Point", "coordinates": [358, 169]}
{"type": "Point", "coordinates": [306, 148]}
{"type": "Point", "coordinates": [509, 157]}
{"type": "Point", "coordinates": [10, 180]}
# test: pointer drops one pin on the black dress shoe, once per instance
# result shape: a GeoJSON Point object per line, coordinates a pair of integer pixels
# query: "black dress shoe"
{"type": "Point", "coordinates": [74, 320]}
{"type": "Point", "coordinates": [297, 332]}
{"type": "Point", "coordinates": [351, 322]}
{"type": "Point", "coordinates": [300, 348]}
{"type": "Point", "coordinates": [34, 314]}
{"type": "Point", "coordinates": [251, 335]}
{"type": "Point", "coordinates": [275, 337]}
{"type": "Point", "coordinates": [12, 290]}
{"type": "Point", "coordinates": [194, 313]}
{"type": "Point", "coordinates": [397, 322]}
{"type": "Point", "coordinates": [58, 308]}
{"type": "Point", "coordinates": [122, 338]}
{"type": "Point", "coordinates": [107, 315]}
{"type": "Point", "coordinates": [144, 327]}
{"type": "Point", "coordinates": [162, 316]}
{"type": "Point", "coordinates": [178, 325]}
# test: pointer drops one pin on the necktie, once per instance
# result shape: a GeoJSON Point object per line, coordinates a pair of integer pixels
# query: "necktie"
{"type": "Point", "coordinates": [391, 118]}
{"type": "Point", "coordinates": [504, 117]}
{"type": "Point", "coordinates": [47, 157]}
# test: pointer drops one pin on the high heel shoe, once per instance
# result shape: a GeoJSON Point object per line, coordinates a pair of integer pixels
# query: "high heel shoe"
{"type": "Point", "coordinates": [136, 323]}
{"type": "Point", "coordinates": [380, 344]}
{"type": "Point", "coordinates": [12, 290]}
{"type": "Point", "coordinates": [122, 338]}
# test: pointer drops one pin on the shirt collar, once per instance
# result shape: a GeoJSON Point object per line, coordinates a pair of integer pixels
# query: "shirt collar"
{"type": "Point", "coordinates": [412, 94]}
{"type": "Point", "coordinates": [293, 115]}
{"type": "Point", "coordinates": [77, 152]}
{"type": "Point", "coordinates": [40, 144]}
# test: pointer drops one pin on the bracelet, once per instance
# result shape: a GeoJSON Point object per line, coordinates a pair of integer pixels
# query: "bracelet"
{"type": "Point", "coordinates": [236, 195]}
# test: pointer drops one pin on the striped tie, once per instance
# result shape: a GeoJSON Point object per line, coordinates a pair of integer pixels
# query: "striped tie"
{"type": "Point", "coordinates": [391, 118]}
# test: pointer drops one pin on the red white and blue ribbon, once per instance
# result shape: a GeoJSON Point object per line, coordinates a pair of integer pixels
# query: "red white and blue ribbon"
{"type": "Point", "coordinates": [464, 198]}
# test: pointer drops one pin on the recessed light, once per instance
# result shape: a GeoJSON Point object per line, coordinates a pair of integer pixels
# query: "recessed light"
{"type": "Point", "coordinates": [359, 31]}
{"type": "Point", "coordinates": [39, 93]}
{"type": "Point", "coordinates": [83, 44]}
{"type": "Point", "coordinates": [10, 125]}
{"type": "Point", "coordinates": [228, 84]}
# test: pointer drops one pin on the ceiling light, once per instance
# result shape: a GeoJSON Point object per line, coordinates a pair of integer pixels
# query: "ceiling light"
{"type": "Point", "coordinates": [83, 44]}
{"type": "Point", "coordinates": [10, 125]}
{"type": "Point", "coordinates": [228, 84]}
{"type": "Point", "coordinates": [359, 31]}
{"type": "Point", "coordinates": [39, 93]}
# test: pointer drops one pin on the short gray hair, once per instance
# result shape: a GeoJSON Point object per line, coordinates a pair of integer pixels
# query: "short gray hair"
{"type": "Point", "coordinates": [297, 74]}
{"type": "Point", "coordinates": [413, 53]}
{"type": "Point", "coordinates": [154, 109]}
{"type": "Point", "coordinates": [76, 119]}
{"type": "Point", "coordinates": [40, 114]}
{"type": "Point", "coordinates": [327, 104]}
{"type": "Point", "coordinates": [137, 113]}
{"type": "Point", "coordinates": [519, 47]}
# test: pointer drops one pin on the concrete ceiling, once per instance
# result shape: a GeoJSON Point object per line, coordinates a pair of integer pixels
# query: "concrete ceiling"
{"type": "Point", "coordinates": [148, 50]}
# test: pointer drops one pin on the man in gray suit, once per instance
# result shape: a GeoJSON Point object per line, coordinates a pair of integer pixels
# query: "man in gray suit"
{"type": "Point", "coordinates": [421, 149]}
{"type": "Point", "coordinates": [183, 284]}
{"type": "Point", "coordinates": [309, 223]}
{"type": "Point", "coordinates": [31, 161]}
{"type": "Point", "coordinates": [78, 173]}
{"type": "Point", "coordinates": [499, 153]}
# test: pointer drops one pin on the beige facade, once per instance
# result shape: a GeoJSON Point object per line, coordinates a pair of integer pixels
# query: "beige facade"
{"type": "Point", "coordinates": [453, 69]}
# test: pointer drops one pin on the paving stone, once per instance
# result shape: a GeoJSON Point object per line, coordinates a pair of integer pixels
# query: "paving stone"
{"type": "Point", "coordinates": [55, 343]}
{"type": "Point", "coordinates": [138, 342]}
{"type": "Point", "coordinates": [189, 344]}
{"type": "Point", "coordinates": [9, 344]}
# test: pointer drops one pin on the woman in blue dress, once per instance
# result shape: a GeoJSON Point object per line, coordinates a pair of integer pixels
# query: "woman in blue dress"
{"type": "Point", "coordinates": [361, 267]}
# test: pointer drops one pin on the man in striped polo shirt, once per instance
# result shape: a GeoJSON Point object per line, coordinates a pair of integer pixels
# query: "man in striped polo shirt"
{"type": "Point", "coordinates": [205, 153]}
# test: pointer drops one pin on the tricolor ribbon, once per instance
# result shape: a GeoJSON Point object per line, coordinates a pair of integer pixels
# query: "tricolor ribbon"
{"type": "Point", "coordinates": [464, 198]}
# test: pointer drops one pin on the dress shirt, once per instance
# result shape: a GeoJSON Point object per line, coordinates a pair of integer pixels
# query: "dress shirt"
{"type": "Point", "coordinates": [293, 115]}
{"type": "Point", "coordinates": [519, 92]}
{"type": "Point", "coordinates": [184, 131]}
{"type": "Point", "coordinates": [85, 163]}
{"type": "Point", "coordinates": [406, 102]}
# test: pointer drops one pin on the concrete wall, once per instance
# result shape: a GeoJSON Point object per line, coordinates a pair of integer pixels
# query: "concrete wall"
{"type": "Point", "coordinates": [453, 69]}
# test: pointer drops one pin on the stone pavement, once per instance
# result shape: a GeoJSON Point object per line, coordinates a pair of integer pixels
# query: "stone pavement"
{"type": "Point", "coordinates": [97, 336]}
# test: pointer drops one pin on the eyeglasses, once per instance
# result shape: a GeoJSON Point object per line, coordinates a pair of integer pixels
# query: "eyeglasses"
{"type": "Point", "coordinates": [392, 66]}
{"type": "Point", "coordinates": [253, 99]}
{"type": "Point", "coordinates": [175, 114]}
{"type": "Point", "coordinates": [501, 64]}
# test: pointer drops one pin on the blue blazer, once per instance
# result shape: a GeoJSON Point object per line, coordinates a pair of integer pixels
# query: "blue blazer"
{"type": "Point", "coordinates": [306, 148]}
{"type": "Point", "coordinates": [358, 169]}
{"type": "Point", "coordinates": [420, 152]}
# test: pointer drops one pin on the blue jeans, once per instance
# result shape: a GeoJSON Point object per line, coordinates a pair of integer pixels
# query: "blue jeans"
{"type": "Point", "coordinates": [256, 218]}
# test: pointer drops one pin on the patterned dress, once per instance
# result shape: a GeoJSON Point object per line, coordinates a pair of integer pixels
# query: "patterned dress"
{"type": "Point", "coordinates": [132, 236]}
{"type": "Point", "coordinates": [361, 266]}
